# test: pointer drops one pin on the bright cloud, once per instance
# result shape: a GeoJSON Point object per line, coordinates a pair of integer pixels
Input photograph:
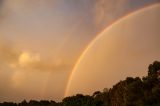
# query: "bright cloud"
{"type": "Point", "coordinates": [26, 59]}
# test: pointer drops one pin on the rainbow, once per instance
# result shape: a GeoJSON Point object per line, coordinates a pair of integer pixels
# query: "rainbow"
{"type": "Point", "coordinates": [98, 36]}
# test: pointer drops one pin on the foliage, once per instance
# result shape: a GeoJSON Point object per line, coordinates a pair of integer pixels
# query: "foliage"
{"type": "Point", "coordinates": [153, 68]}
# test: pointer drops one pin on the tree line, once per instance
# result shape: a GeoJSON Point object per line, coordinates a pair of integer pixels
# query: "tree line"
{"type": "Point", "coordinates": [129, 92]}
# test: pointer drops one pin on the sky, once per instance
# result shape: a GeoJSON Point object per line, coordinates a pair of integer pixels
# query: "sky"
{"type": "Point", "coordinates": [41, 41]}
{"type": "Point", "coordinates": [124, 49]}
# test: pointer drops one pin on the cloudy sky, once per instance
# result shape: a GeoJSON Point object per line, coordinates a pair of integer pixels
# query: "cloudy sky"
{"type": "Point", "coordinates": [41, 41]}
{"type": "Point", "coordinates": [124, 49]}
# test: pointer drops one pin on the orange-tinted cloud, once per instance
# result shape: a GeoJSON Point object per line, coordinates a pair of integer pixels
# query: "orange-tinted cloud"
{"type": "Point", "coordinates": [18, 59]}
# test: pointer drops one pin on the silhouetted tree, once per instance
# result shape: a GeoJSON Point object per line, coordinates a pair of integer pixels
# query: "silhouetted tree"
{"type": "Point", "coordinates": [153, 68]}
{"type": "Point", "coordinates": [23, 103]}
